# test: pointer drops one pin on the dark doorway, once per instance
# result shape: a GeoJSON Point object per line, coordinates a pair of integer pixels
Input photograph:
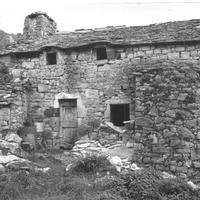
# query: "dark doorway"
{"type": "Point", "coordinates": [119, 113]}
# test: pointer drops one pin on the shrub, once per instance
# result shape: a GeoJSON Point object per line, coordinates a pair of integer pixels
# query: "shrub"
{"type": "Point", "coordinates": [91, 165]}
{"type": "Point", "coordinates": [142, 184]}
{"type": "Point", "coordinates": [12, 185]}
{"type": "Point", "coordinates": [76, 188]}
{"type": "Point", "coordinates": [177, 189]}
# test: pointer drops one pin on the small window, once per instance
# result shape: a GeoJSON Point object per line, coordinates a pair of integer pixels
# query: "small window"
{"type": "Point", "coordinates": [101, 53]}
{"type": "Point", "coordinates": [119, 113]}
{"type": "Point", "coordinates": [51, 59]}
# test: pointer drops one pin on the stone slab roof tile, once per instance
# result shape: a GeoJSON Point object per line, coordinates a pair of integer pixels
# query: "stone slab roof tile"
{"type": "Point", "coordinates": [179, 31]}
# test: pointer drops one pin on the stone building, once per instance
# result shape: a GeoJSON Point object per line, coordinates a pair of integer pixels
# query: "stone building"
{"type": "Point", "coordinates": [150, 74]}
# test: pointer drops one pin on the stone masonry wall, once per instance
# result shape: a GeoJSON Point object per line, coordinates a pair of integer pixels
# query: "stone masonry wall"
{"type": "Point", "coordinates": [167, 116]}
{"type": "Point", "coordinates": [167, 107]}
{"type": "Point", "coordinates": [38, 25]}
{"type": "Point", "coordinates": [94, 83]}
{"type": "Point", "coordinates": [160, 82]}
{"type": "Point", "coordinates": [13, 101]}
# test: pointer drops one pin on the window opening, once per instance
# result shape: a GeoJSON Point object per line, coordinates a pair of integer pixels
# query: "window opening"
{"type": "Point", "coordinates": [101, 53]}
{"type": "Point", "coordinates": [51, 59]}
{"type": "Point", "coordinates": [119, 113]}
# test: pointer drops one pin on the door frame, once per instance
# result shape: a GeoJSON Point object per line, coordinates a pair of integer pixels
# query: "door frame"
{"type": "Point", "coordinates": [65, 103]}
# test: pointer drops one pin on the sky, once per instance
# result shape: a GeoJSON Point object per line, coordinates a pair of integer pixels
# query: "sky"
{"type": "Point", "coordinates": [77, 14]}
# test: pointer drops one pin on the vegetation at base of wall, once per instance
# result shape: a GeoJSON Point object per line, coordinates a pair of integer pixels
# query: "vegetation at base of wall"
{"type": "Point", "coordinates": [146, 184]}
{"type": "Point", "coordinates": [91, 165]}
{"type": "Point", "coordinates": [86, 128]}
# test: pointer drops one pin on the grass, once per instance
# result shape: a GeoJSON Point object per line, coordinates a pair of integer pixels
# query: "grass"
{"type": "Point", "coordinates": [92, 178]}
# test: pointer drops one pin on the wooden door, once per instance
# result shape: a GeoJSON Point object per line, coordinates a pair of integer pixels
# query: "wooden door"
{"type": "Point", "coordinates": [68, 120]}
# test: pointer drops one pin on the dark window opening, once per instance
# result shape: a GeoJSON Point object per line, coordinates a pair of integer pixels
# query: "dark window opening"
{"type": "Point", "coordinates": [51, 59]}
{"type": "Point", "coordinates": [101, 53]}
{"type": "Point", "coordinates": [119, 113]}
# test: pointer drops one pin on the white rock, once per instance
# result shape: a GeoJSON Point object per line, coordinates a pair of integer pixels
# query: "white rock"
{"type": "Point", "coordinates": [130, 144]}
{"type": "Point", "coordinates": [117, 162]}
{"type": "Point", "coordinates": [114, 146]}
{"type": "Point", "coordinates": [68, 167]}
{"type": "Point", "coordinates": [192, 185]}
{"type": "Point", "coordinates": [94, 148]}
{"type": "Point", "coordinates": [116, 128]}
{"type": "Point", "coordinates": [17, 80]}
{"type": "Point", "coordinates": [44, 170]}
{"type": "Point", "coordinates": [167, 175]}
{"type": "Point", "coordinates": [135, 167]}
{"type": "Point", "coordinates": [7, 96]}
{"type": "Point", "coordinates": [8, 158]}
{"type": "Point", "coordinates": [84, 141]}
{"type": "Point", "coordinates": [12, 137]}
{"type": "Point", "coordinates": [83, 145]}
{"type": "Point", "coordinates": [12, 146]}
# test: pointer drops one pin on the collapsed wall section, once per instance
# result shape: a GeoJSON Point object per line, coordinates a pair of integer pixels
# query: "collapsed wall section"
{"type": "Point", "coordinates": [13, 102]}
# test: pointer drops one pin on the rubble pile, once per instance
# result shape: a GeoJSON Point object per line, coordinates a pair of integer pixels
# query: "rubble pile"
{"type": "Point", "coordinates": [13, 157]}
{"type": "Point", "coordinates": [88, 147]}
{"type": "Point", "coordinates": [108, 133]}
{"type": "Point", "coordinates": [83, 148]}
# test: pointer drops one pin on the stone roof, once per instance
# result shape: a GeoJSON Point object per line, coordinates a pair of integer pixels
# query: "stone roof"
{"type": "Point", "coordinates": [170, 32]}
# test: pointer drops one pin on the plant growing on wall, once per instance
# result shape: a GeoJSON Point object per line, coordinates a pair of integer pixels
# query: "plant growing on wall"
{"type": "Point", "coordinates": [5, 77]}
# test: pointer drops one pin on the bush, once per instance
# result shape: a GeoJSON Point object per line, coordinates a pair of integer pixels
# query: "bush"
{"type": "Point", "coordinates": [148, 184]}
{"type": "Point", "coordinates": [92, 165]}
{"type": "Point", "coordinates": [79, 188]}
{"type": "Point", "coordinates": [177, 189]}
{"type": "Point", "coordinates": [76, 188]}
{"type": "Point", "coordinates": [12, 185]}
{"type": "Point", "coordinates": [142, 184]}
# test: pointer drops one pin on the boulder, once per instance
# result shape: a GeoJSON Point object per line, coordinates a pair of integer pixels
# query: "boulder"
{"type": "Point", "coordinates": [193, 186]}
{"type": "Point", "coordinates": [130, 144]}
{"type": "Point", "coordinates": [19, 164]}
{"type": "Point", "coordinates": [12, 137]}
{"type": "Point", "coordinates": [167, 175]}
{"type": "Point", "coordinates": [134, 167]}
{"type": "Point", "coordinates": [83, 145]}
{"type": "Point", "coordinates": [12, 146]}
{"type": "Point", "coordinates": [117, 162]}
{"type": "Point", "coordinates": [115, 128]}
{"type": "Point", "coordinates": [8, 158]}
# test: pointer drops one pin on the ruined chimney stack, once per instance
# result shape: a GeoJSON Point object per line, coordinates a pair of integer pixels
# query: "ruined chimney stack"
{"type": "Point", "coordinates": [38, 25]}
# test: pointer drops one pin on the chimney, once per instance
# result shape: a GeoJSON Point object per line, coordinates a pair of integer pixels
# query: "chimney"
{"type": "Point", "coordinates": [38, 25]}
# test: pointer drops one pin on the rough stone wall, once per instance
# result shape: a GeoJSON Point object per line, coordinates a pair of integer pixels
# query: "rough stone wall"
{"type": "Point", "coordinates": [38, 25]}
{"type": "Point", "coordinates": [161, 83]}
{"type": "Point", "coordinates": [13, 102]}
{"type": "Point", "coordinates": [12, 107]}
{"type": "Point", "coordinates": [167, 111]}
{"type": "Point", "coordinates": [167, 106]}
{"type": "Point", "coordinates": [94, 83]}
